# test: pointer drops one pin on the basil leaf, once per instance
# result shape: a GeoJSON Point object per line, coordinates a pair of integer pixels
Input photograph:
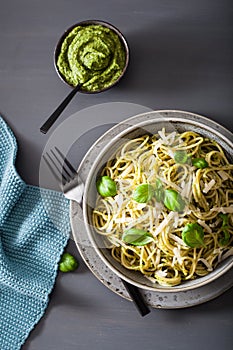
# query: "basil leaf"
{"type": "Point", "coordinates": [181, 157]}
{"type": "Point", "coordinates": [193, 235]}
{"type": "Point", "coordinates": [200, 163]}
{"type": "Point", "coordinates": [224, 240]}
{"type": "Point", "coordinates": [173, 200]}
{"type": "Point", "coordinates": [67, 263]}
{"type": "Point", "coordinates": [106, 186]}
{"type": "Point", "coordinates": [143, 193]}
{"type": "Point", "coordinates": [224, 218]}
{"type": "Point", "coordinates": [159, 190]}
{"type": "Point", "coordinates": [137, 237]}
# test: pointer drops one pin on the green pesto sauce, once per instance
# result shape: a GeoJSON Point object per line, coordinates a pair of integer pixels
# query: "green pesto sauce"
{"type": "Point", "coordinates": [91, 55]}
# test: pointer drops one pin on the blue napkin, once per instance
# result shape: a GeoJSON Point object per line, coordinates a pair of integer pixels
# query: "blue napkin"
{"type": "Point", "coordinates": [34, 229]}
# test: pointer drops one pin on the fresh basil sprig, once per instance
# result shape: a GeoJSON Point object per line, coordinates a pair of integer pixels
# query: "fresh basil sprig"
{"type": "Point", "coordinates": [137, 237]}
{"type": "Point", "coordinates": [106, 186]}
{"type": "Point", "coordinates": [173, 200]}
{"type": "Point", "coordinates": [143, 193]}
{"type": "Point", "coordinates": [170, 198]}
{"type": "Point", "coordinates": [193, 235]}
{"type": "Point", "coordinates": [224, 229]}
{"type": "Point", "coordinates": [181, 157]}
{"type": "Point", "coordinates": [159, 190]}
{"type": "Point", "coordinates": [200, 163]}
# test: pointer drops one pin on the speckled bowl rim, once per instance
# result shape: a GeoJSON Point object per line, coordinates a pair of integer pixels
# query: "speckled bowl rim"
{"type": "Point", "coordinates": [87, 23]}
{"type": "Point", "coordinates": [108, 139]}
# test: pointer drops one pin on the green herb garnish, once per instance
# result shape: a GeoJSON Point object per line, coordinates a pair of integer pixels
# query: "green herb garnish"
{"type": "Point", "coordinates": [181, 157]}
{"type": "Point", "coordinates": [224, 229]}
{"type": "Point", "coordinates": [106, 186]}
{"type": "Point", "coordinates": [159, 190]}
{"type": "Point", "coordinates": [200, 163]}
{"type": "Point", "coordinates": [67, 263]}
{"type": "Point", "coordinates": [193, 235]}
{"type": "Point", "coordinates": [173, 200]}
{"type": "Point", "coordinates": [143, 193]}
{"type": "Point", "coordinates": [224, 218]}
{"type": "Point", "coordinates": [137, 237]}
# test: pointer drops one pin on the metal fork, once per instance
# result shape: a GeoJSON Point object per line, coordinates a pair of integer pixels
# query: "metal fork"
{"type": "Point", "coordinates": [73, 187]}
{"type": "Point", "coordinates": [64, 172]}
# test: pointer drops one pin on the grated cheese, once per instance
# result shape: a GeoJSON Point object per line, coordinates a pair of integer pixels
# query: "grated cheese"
{"type": "Point", "coordinates": [204, 225]}
{"type": "Point", "coordinates": [205, 262]}
{"type": "Point", "coordinates": [187, 189]}
{"type": "Point", "coordinates": [177, 255]}
{"type": "Point", "coordinates": [134, 222]}
{"type": "Point", "coordinates": [156, 146]}
{"type": "Point", "coordinates": [164, 223]}
{"type": "Point", "coordinates": [163, 137]}
{"type": "Point", "coordinates": [167, 139]}
{"type": "Point", "coordinates": [208, 186]}
{"type": "Point", "coordinates": [170, 153]}
{"type": "Point", "coordinates": [123, 220]}
{"type": "Point", "coordinates": [157, 259]}
{"type": "Point", "coordinates": [119, 200]}
{"type": "Point", "coordinates": [227, 254]}
{"type": "Point", "coordinates": [218, 252]}
{"type": "Point", "coordinates": [161, 273]}
{"type": "Point", "coordinates": [126, 171]}
{"type": "Point", "coordinates": [110, 226]}
{"type": "Point", "coordinates": [178, 240]}
{"type": "Point", "coordinates": [176, 220]}
{"type": "Point", "coordinates": [224, 210]}
{"type": "Point", "coordinates": [223, 175]}
{"type": "Point", "coordinates": [171, 184]}
{"type": "Point", "coordinates": [141, 206]}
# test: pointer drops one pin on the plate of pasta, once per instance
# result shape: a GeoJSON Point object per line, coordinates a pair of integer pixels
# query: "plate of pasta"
{"type": "Point", "coordinates": [158, 200]}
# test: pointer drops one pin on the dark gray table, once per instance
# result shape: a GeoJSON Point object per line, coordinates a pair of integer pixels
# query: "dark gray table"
{"type": "Point", "coordinates": [181, 58]}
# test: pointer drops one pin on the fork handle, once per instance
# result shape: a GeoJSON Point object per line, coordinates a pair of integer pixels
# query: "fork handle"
{"type": "Point", "coordinates": [54, 116]}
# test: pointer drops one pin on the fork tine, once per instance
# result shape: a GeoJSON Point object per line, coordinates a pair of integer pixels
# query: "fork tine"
{"type": "Point", "coordinates": [71, 186]}
{"type": "Point", "coordinates": [66, 161]}
{"type": "Point", "coordinates": [64, 172]}
{"type": "Point", "coordinates": [55, 173]}
{"type": "Point", "coordinates": [60, 176]}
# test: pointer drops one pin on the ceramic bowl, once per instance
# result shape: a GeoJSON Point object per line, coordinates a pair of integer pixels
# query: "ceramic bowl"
{"type": "Point", "coordinates": [87, 23]}
{"type": "Point", "coordinates": [104, 149]}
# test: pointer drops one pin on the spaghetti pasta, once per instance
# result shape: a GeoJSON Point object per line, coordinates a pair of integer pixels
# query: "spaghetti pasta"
{"type": "Point", "coordinates": [184, 167]}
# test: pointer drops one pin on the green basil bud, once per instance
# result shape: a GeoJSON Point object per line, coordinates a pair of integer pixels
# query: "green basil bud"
{"type": "Point", "coordinates": [67, 263]}
{"type": "Point", "coordinates": [193, 235]}
{"type": "Point", "coordinates": [106, 186]}
{"type": "Point", "coordinates": [173, 200]}
{"type": "Point", "coordinates": [181, 157]}
{"type": "Point", "coordinates": [143, 193]}
{"type": "Point", "coordinates": [200, 163]}
{"type": "Point", "coordinates": [137, 237]}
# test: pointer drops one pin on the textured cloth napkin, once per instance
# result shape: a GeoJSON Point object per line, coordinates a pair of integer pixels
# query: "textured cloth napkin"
{"type": "Point", "coordinates": [34, 229]}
